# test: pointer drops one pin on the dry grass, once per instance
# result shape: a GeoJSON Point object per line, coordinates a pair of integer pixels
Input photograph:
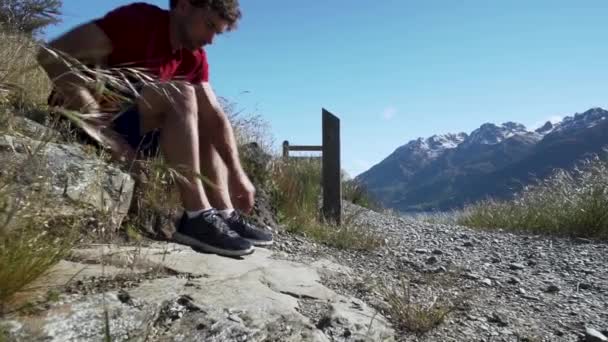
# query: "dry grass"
{"type": "Point", "coordinates": [415, 314]}
{"type": "Point", "coordinates": [356, 193]}
{"type": "Point", "coordinates": [21, 81]}
{"type": "Point", "coordinates": [296, 185]}
{"type": "Point", "coordinates": [32, 237]}
{"type": "Point", "coordinates": [568, 203]}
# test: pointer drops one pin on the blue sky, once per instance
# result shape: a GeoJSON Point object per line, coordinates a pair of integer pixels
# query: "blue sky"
{"type": "Point", "coordinates": [396, 70]}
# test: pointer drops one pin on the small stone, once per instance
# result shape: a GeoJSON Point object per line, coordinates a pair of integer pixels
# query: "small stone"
{"type": "Point", "coordinates": [431, 260]}
{"type": "Point", "coordinates": [468, 244]}
{"type": "Point", "coordinates": [487, 282]}
{"type": "Point", "coordinates": [472, 276]}
{"type": "Point", "coordinates": [421, 251]}
{"type": "Point", "coordinates": [437, 251]}
{"type": "Point", "coordinates": [552, 288]}
{"type": "Point", "coordinates": [495, 260]}
{"type": "Point", "coordinates": [521, 291]}
{"type": "Point", "coordinates": [530, 297]}
{"type": "Point", "coordinates": [584, 286]}
{"type": "Point", "coordinates": [516, 266]}
{"type": "Point", "coordinates": [124, 297]}
{"type": "Point", "coordinates": [592, 335]}
{"type": "Point", "coordinates": [513, 280]}
{"type": "Point", "coordinates": [235, 318]}
{"type": "Point", "coordinates": [499, 319]}
{"type": "Point", "coordinates": [440, 269]}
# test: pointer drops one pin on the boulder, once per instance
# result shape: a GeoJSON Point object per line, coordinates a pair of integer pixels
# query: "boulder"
{"type": "Point", "coordinates": [69, 177]}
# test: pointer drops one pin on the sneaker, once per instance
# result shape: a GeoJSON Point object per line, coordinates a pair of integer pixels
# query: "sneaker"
{"type": "Point", "coordinates": [249, 232]}
{"type": "Point", "coordinates": [209, 233]}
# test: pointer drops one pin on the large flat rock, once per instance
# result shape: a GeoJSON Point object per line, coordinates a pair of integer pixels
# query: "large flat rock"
{"type": "Point", "coordinates": [202, 297]}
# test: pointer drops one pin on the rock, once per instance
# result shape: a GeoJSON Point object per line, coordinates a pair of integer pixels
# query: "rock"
{"type": "Point", "coordinates": [437, 251]}
{"type": "Point", "coordinates": [487, 282]}
{"type": "Point", "coordinates": [552, 289]}
{"type": "Point", "coordinates": [592, 335]}
{"type": "Point", "coordinates": [513, 280]}
{"type": "Point", "coordinates": [32, 128]}
{"type": "Point", "coordinates": [528, 297]}
{"type": "Point", "coordinates": [440, 269]}
{"type": "Point", "coordinates": [343, 321]}
{"type": "Point", "coordinates": [472, 276]}
{"type": "Point", "coordinates": [498, 318]}
{"type": "Point", "coordinates": [584, 286]}
{"type": "Point", "coordinates": [207, 298]}
{"type": "Point", "coordinates": [495, 260]}
{"type": "Point", "coordinates": [468, 244]}
{"type": "Point", "coordinates": [516, 266]}
{"type": "Point", "coordinates": [70, 176]}
{"type": "Point", "coordinates": [431, 260]}
{"type": "Point", "coordinates": [256, 163]}
{"type": "Point", "coordinates": [421, 251]}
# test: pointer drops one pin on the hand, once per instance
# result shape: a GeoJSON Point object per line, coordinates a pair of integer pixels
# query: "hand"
{"type": "Point", "coordinates": [242, 192]}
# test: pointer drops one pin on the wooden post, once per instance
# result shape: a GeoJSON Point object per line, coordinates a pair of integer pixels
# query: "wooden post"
{"type": "Point", "coordinates": [332, 183]}
{"type": "Point", "coordinates": [285, 149]}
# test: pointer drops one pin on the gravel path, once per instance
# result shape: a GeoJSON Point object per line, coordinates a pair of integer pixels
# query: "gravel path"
{"type": "Point", "coordinates": [504, 287]}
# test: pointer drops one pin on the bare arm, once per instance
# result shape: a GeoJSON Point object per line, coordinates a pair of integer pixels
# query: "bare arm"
{"type": "Point", "coordinates": [222, 136]}
{"type": "Point", "coordinates": [218, 126]}
{"type": "Point", "coordinates": [86, 43]}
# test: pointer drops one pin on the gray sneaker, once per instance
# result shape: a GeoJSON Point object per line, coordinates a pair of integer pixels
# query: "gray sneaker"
{"type": "Point", "coordinates": [208, 232]}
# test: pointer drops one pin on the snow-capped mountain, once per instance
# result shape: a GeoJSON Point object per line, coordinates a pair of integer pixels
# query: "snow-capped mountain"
{"type": "Point", "coordinates": [448, 170]}
{"type": "Point", "coordinates": [434, 146]}
{"type": "Point", "coordinates": [490, 134]}
{"type": "Point", "coordinates": [588, 119]}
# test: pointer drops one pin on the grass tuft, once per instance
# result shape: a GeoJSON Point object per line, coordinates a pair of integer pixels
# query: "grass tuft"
{"type": "Point", "coordinates": [412, 315]}
{"type": "Point", "coordinates": [296, 194]}
{"type": "Point", "coordinates": [32, 238]}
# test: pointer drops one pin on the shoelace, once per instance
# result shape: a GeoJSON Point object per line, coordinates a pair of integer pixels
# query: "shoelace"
{"type": "Point", "coordinates": [217, 220]}
{"type": "Point", "coordinates": [236, 216]}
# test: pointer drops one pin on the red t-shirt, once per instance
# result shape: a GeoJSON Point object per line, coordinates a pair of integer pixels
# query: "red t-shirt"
{"type": "Point", "coordinates": [139, 33]}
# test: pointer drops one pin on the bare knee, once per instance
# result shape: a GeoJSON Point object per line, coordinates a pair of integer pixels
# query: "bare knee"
{"type": "Point", "coordinates": [176, 101]}
{"type": "Point", "coordinates": [181, 101]}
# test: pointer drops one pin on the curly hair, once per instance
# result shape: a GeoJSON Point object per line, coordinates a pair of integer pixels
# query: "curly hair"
{"type": "Point", "coordinates": [227, 9]}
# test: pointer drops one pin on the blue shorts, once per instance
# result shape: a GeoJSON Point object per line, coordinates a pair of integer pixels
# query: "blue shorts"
{"type": "Point", "coordinates": [127, 125]}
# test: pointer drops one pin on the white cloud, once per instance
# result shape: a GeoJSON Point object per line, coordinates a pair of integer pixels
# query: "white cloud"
{"type": "Point", "coordinates": [389, 113]}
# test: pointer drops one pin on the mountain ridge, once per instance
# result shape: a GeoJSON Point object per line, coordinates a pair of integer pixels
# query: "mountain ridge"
{"type": "Point", "coordinates": [447, 171]}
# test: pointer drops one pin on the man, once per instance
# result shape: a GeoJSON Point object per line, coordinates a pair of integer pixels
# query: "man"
{"type": "Point", "coordinates": [179, 111]}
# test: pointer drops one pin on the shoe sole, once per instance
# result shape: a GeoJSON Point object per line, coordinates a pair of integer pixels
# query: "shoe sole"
{"type": "Point", "coordinates": [259, 243]}
{"type": "Point", "coordinates": [186, 240]}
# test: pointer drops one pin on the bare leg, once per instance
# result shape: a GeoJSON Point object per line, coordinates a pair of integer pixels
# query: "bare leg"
{"type": "Point", "coordinates": [216, 172]}
{"type": "Point", "coordinates": [174, 111]}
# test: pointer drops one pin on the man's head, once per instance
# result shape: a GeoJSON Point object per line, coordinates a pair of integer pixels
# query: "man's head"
{"type": "Point", "coordinates": [198, 21]}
